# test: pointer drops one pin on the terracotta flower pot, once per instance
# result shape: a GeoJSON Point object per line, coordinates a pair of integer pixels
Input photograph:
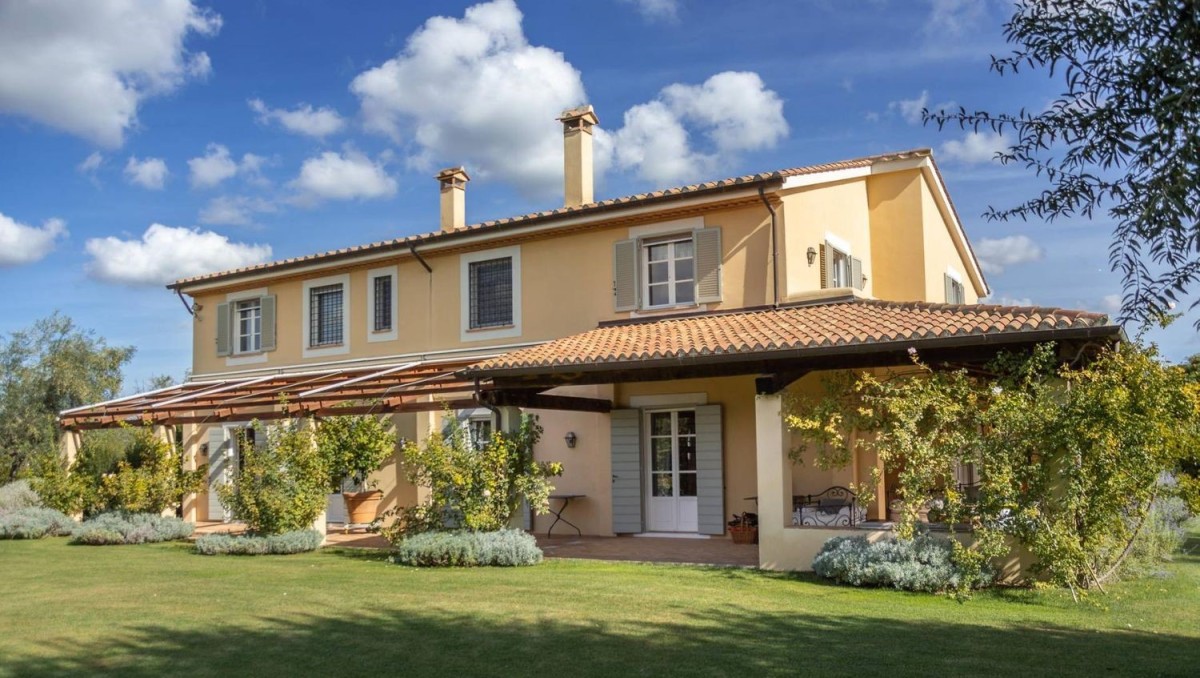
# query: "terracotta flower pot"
{"type": "Point", "coordinates": [362, 507]}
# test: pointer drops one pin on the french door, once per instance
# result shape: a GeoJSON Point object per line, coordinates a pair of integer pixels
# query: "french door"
{"type": "Point", "coordinates": [671, 468]}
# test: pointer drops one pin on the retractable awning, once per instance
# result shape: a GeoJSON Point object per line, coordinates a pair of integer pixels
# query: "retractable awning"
{"type": "Point", "coordinates": [411, 386]}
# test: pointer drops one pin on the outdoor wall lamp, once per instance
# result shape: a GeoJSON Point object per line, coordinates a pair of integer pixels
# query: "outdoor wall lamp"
{"type": "Point", "coordinates": [571, 439]}
{"type": "Point", "coordinates": [812, 255]}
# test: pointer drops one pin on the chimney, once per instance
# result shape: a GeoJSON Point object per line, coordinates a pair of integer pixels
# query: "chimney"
{"type": "Point", "coordinates": [577, 155]}
{"type": "Point", "coordinates": [454, 197]}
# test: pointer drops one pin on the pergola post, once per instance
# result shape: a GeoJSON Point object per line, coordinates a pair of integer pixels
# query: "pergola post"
{"type": "Point", "coordinates": [774, 479]}
{"type": "Point", "coordinates": [69, 441]}
{"type": "Point", "coordinates": [507, 419]}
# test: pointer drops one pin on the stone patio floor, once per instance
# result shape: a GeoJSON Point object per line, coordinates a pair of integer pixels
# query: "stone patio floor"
{"type": "Point", "coordinates": [717, 551]}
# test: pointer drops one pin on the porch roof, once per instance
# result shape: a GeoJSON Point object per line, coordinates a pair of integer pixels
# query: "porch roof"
{"type": "Point", "coordinates": [830, 334]}
{"type": "Point", "coordinates": [409, 386]}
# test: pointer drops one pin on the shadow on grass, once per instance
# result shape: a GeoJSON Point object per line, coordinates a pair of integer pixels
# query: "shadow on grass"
{"type": "Point", "coordinates": [729, 640]}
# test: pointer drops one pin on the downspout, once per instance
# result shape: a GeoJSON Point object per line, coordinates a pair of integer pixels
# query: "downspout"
{"type": "Point", "coordinates": [762, 194]}
{"type": "Point", "coordinates": [412, 247]}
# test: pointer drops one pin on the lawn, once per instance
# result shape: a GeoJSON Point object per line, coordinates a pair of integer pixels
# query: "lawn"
{"type": "Point", "coordinates": [160, 610]}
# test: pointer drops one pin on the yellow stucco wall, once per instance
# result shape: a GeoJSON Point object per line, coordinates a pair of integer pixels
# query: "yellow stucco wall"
{"type": "Point", "coordinates": [894, 200]}
{"type": "Point", "coordinates": [810, 215]}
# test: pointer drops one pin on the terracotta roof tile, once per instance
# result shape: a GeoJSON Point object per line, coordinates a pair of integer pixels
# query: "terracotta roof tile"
{"type": "Point", "coordinates": [758, 331]}
{"type": "Point", "coordinates": [399, 243]}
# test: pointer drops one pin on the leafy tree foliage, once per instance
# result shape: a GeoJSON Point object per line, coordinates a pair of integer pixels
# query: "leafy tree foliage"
{"type": "Point", "coordinates": [1121, 140]}
{"type": "Point", "coordinates": [472, 487]}
{"type": "Point", "coordinates": [283, 481]}
{"type": "Point", "coordinates": [47, 368]}
{"type": "Point", "coordinates": [356, 446]}
{"type": "Point", "coordinates": [1070, 459]}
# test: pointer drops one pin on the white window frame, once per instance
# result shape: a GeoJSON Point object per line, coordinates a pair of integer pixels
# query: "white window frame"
{"type": "Point", "coordinates": [309, 351]}
{"type": "Point", "coordinates": [466, 334]}
{"type": "Point", "coordinates": [840, 247]}
{"type": "Point", "coordinates": [236, 358]}
{"type": "Point", "coordinates": [374, 335]}
{"type": "Point", "coordinates": [955, 276]}
{"type": "Point", "coordinates": [644, 262]}
{"type": "Point", "coordinates": [239, 307]}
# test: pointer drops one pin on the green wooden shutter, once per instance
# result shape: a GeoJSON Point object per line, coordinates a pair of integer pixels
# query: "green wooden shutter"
{"type": "Point", "coordinates": [708, 264]}
{"type": "Point", "coordinates": [268, 322]}
{"type": "Point", "coordinates": [710, 478]}
{"type": "Point", "coordinates": [626, 471]}
{"type": "Point", "coordinates": [224, 329]}
{"type": "Point", "coordinates": [856, 274]}
{"type": "Point", "coordinates": [218, 448]}
{"type": "Point", "coordinates": [625, 275]}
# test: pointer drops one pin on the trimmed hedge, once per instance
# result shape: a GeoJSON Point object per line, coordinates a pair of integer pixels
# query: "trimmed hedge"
{"type": "Point", "coordinates": [110, 529]}
{"type": "Point", "coordinates": [34, 523]}
{"type": "Point", "coordinates": [18, 495]}
{"type": "Point", "coordinates": [923, 563]}
{"type": "Point", "coordinates": [502, 548]}
{"type": "Point", "coordinates": [298, 541]}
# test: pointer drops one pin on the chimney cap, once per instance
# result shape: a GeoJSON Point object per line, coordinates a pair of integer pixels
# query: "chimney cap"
{"type": "Point", "coordinates": [452, 174]}
{"type": "Point", "coordinates": [584, 114]}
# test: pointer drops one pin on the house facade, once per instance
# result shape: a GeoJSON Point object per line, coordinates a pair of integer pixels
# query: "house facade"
{"type": "Point", "coordinates": [656, 333]}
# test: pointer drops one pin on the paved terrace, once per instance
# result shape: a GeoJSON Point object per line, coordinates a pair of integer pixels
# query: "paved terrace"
{"type": "Point", "coordinates": [717, 551]}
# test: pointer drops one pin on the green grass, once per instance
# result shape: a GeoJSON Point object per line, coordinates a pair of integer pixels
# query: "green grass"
{"type": "Point", "coordinates": [160, 610]}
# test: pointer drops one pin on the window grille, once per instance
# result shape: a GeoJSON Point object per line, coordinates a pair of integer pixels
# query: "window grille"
{"type": "Point", "coordinates": [491, 287]}
{"type": "Point", "coordinates": [325, 315]}
{"type": "Point", "coordinates": [383, 303]}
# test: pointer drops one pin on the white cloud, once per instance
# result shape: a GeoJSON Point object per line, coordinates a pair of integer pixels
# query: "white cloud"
{"type": "Point", "coordinates": [955, 19]}
{"type": "Point", "coordinates": [342, 176]}
{"type": "Point", "coordinates": [234, 210]}
{"type": "Point", "coordinates": [304, 119]}
{"type": "Point", "coordinates": [216, 165]}
{"type": "Point", "coordinates": [23, 244]}
{"type": "Point", "coordinates": [910, 109]}
{"type": "Point", "coordinates": [1111, 303]}
{"type": "Point", "coordinates": [997, 254]}
{"type": "Point", "coordinates": [86, 67]}
{"type": "Point", "coordinates": [473, 91]}
{"type": "Point", "coordinates": [666, 11]}
{"type": "Point", "coordinates": [90, 164]}
{"type": "Point", "coordinates": [974, 148]}
{"type": "Point", "coordinates": [1005, 300]}
{"type": "Point", "coordinates": [166, 253]}
{"type": "Point", "coordinates": [150, 173]}
{"type": "Point", "coordinates": [732, 111]}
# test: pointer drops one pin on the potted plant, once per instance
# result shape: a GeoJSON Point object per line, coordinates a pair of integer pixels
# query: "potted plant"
{"type": "Point", "coordinates": [357, 446]}
{"type": "Point", "coordinates": [744, 528]}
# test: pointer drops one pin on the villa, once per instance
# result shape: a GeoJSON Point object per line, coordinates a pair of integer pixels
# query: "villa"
{"type": "Point", "coordinates": [654, 335]}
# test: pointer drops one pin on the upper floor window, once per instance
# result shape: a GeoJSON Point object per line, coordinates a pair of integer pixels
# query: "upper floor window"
{"type": "Point", "coordinates": [838, 267]}
{"type": "Point", "coordinates": [325, 315]}
{"type": "Point", "coordinates": [491, 293]}
{"type": "Point", "coordinates": [956, 293]}
{"type": "Point", "coordinates": [383, 303]}
{"type": "Point", "coordinates": [670, 272]}
{"type": "Point", "coordinates": [249, 326]}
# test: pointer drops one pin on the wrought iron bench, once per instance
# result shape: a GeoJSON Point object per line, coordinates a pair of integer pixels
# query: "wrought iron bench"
{"type": "Point", "coordinates": [834, 507]}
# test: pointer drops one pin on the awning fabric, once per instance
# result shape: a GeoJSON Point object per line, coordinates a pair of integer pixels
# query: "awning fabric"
{"type": "Point", "coordinates": [410, 386]}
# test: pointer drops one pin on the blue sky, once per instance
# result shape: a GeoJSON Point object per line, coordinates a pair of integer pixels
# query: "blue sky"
{"type": "Point", "coordinates": [146, 142]}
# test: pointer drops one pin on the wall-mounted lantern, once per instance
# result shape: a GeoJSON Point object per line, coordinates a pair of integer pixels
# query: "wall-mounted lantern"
{"type": "Point", "coordinates": [571, 439]}
{"type": "Point", "coordinates": [812, 255]}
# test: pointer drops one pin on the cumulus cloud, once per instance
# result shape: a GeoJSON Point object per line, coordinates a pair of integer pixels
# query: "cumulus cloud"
{"type": "Point", "coordinates": [90, 164]}
{"type": "Point", "coordinates": [732, 112]}
{"type": "Point", "coordinates": [216, 165]}
{"type": "Point", "coordinates": [348, 175]}
{"type": "Point", "coordinates": [997, 254]}
{"type": "Point", "coordinates": [86, 67]}
{"type": "Point", "coordinates": [304, 119]}
{"type": "Point", "coordinates": [234, 210]}
{"type": "Point", "coordinates": [974, 148]}
{"type": "Point", "coordinates": [24, 244]}
{"type": "Point", "coordinates": [954, 18]}
{"type": "Point", "coordinates": [474, 91]}
{"type": "Point", "coordinates": [166, 253]}
{"type": "Point", "coordinates": [666, 11]}
{"type": "Point", "coordinates": [910, 109]}
{"type": "Point", "coordinates": [150, 173]}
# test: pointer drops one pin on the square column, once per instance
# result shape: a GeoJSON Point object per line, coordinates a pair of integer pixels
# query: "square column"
{"type": "Point", "coordinates": [774, 480]}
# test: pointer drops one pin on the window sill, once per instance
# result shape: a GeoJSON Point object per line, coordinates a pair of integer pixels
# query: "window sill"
{"type": "Point", "coordinates": [322, 347]}
{"type": "Point", "coordinates": [491, 328]}
{"type": "Point", "coordinates": [666, 310]}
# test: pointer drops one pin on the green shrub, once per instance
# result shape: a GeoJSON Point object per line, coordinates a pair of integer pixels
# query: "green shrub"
{"type": "Point", "coordinates": [297, 541]}
{"type": "Point", "coordinates": [18, 495]}
{"type": "Point", "coordinates": [500, 548]}
{"type": "Point", "coordinates": [130, 528]}
{"type": "Point", "coordinates": [283, 483]}
{"type": "Point", "coordinates": [923, 563]}
{"type": "Point", "coordinates": [1160, 537]}
{"type": "Point", "coordinates": [34, 523]}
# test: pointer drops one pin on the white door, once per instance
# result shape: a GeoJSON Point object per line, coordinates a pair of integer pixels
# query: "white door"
{"type": "Point", "coordinates": [222, 461]}
{"type": "Point", "coordinates": [671, 487]}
